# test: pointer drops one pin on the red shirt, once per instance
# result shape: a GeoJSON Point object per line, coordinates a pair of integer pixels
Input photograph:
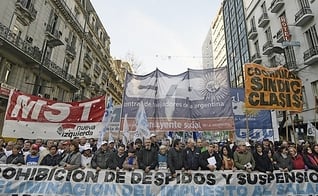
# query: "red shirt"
{"type": "Point", "coordinates": [298, 162]}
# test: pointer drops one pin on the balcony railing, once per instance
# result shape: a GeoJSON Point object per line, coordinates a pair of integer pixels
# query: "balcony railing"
{"type": "Point", "coordinates": [291, 65]}
{"type": "Point", "coordinates": [311, 55]}
{"type": "Point", "coordinates": [71, 52]}
{"type": "Point", "coordinates": [88, 58]}
{"type": "Point", "coordinates": [85, 78]}
{"type": "Point", "coordinates": [252, 34]}
{"type": "Point", "coordinates": [263, 20]}
{"type": "Point", "coordinates": [276, 6]}
{"type": "Point", "coordinates": [279, 36]}
{"type": "Point", "coordinates": [97, 69]}
{"type": "Point", "coordinates": [25, 11]}
{"type": "Point", "coordinates": [52, 33]}
{"type": "Point", "coordinates": [104, 77]}
{"type": "Point", "coordinates": [256, 58]}
{"type": "Point", "coordinates": [267, 47]}
{"type": "Point", "coordinates": [61, 73]}
{"type": "Point", "coordinates": [303, 16]}
{"type": "Point", "coordinates": [23, 45]}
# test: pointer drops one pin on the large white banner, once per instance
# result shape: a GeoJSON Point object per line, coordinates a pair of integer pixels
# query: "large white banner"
{"type": "Point", "coordinates": [49, 181]}
{"type": "Point", "coordinates": [33, 117]}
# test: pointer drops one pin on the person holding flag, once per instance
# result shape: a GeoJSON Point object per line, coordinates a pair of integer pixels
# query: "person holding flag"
{"type": "Point", "coordinates": [106, 120]}
{"type": "Point", "coordinates": [125, 132]}
{"type": "Point", "coordinates": [142, 122]}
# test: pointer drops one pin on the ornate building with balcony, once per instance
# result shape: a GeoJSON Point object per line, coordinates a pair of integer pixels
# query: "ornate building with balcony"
{"type": "Point", "coordinates": [57, 49]}
{"type": "Point", "coordinates": [286, 35]}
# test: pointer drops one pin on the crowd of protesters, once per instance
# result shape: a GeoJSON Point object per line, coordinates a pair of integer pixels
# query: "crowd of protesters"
{"type": "Point", "coordinates": [148, 155]}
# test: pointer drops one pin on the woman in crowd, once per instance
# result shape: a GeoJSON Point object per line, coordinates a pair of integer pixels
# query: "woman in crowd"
{"type": "Point", "coordinates": [282, 160]}
{"type": "Point", "coordinates": [227, 160]}
{"type": "Point", "coordinates": [53, 158]}
{"type": "Point", "coordinates": [297, 159]}
{"type": "Point", "coordinates": [16, 157]}
{"type": "Point", "coordinates": [73, 159]}
{"type": "Point", "coordinates": [262, 161]}
{"type": "Point", "coordinates": [310, 159]}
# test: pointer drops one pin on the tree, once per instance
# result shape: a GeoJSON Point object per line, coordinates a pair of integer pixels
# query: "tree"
{"type": "Point", "coordinates": [133, 61]}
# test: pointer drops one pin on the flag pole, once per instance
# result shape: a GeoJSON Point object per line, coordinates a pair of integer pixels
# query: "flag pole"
{"type": "Point", "coordinates": [287, 132]}
{"type": "Point", "coordinates": [293, 128]}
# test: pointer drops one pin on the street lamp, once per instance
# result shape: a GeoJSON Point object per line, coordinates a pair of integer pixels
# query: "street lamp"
{"type": "Point", "coordinates": [52, 43]}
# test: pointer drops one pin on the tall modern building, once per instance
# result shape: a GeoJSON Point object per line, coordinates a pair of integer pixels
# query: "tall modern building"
{"type": "Point", "coordinates": [284, 32]}
{"type": "Point", "coordinates": [56, 49]}
{"type": "Point", "coordinates": [218, 42]}
{"type": "Point", "coordinates": [207, 50]}
{"type": "Point", "coordinates": [236, 40]}
{"type": "Point", "coordinates": [213, 48]}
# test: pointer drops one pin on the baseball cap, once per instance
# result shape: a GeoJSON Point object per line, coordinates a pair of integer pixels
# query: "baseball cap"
{"type": "Point", "coordinates": [34, 147]}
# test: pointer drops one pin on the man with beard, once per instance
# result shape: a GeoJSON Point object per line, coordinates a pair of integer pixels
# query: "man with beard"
{"type": "Point", "coordinates": [147, 157]}
{"type": "Point", "coordinates": [33, 157]}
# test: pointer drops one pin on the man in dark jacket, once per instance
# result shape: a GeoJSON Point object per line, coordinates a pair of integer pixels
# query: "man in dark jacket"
{"type": "Point", "coordinates": [191, 156]}
{"type": "Point", "coordinates": [101, 157]}
{"type": "Point", "coordinates": [147, 157]}
{"type": "Point", "coordinates": [117, 158]}
{"type": "Point", "coordinates": [209, 160]}
{"type": "Point", "coordinates": [175, 158]}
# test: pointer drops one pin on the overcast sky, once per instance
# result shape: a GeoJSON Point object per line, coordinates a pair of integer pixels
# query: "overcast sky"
{"type": "Point", "coordinates": [163, 34]}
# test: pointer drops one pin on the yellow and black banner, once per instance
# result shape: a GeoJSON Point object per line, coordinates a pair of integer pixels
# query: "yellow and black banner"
{"type": "Point", "coordinates": [272, 88]}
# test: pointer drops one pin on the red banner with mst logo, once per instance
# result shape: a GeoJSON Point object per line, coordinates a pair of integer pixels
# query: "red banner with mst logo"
{"type": "Point", "coordinates": [34, 117]}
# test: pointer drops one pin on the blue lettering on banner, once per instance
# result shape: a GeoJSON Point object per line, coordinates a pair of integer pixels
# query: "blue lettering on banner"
{"type": "Point", "coordinates": [25, 180]}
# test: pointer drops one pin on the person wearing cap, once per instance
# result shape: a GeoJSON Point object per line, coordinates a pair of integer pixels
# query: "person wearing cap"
{"type": "Point", "coordinates": [154, 142]}
{"type": "Point", "coordinates": [147, 157]}
{"type": "Point", "coordinates": [101, 157]}
{"type": "Point", "coordinates": [53, 158]}
{"type": "Point", "coordinates": [72, 161]}
{"type": "Point", "coordinates": [131, 162]}
{"type": "Point", "coordinates": [243, 159]}
{"type": "Point", "coordinates": [82, 144]}
{"type": "Point", "coordinates": [209, 160]}
{"type": "Point", "coordinates": [87, 156]}
{"type": "Point", "coordinates": [111, 146]}
{"type": "Point", "coordinates": [33, 157]}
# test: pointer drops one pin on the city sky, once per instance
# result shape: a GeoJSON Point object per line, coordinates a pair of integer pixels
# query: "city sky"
{"type": "Point", "coordinates": [163, 34]}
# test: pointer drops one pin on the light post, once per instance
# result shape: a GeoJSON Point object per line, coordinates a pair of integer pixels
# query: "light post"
{"type": "Point", "coordinates": [52, 43]}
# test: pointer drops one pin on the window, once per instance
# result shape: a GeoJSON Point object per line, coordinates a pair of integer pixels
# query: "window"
{"type": "Point", "coordinates": [305, 103]}
{"type": "Point", "coordinates": [314, 86]}
{"type": "Point", "coordinates": [5, 72]}
{"type": "Point", "coordinates": [312, 37]}
{"type": "Point", "coordinates": [263, 6]}
{"type": "Point", "coordinates": [303, 4]}
{"type": "Point", "coordinates": [268, 34]}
